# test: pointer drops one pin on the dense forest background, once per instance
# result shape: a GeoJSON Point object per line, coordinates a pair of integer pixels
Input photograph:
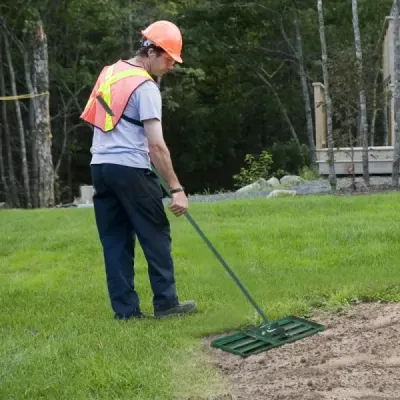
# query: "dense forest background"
{"type": "Point", "coordinates": [245, 86]}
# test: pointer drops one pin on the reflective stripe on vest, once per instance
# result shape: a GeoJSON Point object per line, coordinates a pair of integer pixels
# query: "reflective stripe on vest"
{"type": "Point", "coordinates": [105, 87]}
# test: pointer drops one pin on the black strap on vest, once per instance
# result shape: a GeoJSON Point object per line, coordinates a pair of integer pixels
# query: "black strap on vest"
{"type": "Point", "coordinates": [123, 116]}
{"type": "Point", "coordinates": [131, 120]}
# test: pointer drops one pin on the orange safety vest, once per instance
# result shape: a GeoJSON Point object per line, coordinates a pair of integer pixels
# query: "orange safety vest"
{"type": "Point", "coordinates": [111, 93]}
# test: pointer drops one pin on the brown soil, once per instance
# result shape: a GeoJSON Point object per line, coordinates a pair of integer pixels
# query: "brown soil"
{"type": "Point", "coordinates": [356, 357]}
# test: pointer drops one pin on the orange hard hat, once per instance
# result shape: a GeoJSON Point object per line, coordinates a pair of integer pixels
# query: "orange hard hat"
{"type": "Point", "coordinates": [166, 35]}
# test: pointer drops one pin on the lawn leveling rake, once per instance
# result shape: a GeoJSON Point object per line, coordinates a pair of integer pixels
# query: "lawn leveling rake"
{"type": "Point", "coordinates": [259, 339]}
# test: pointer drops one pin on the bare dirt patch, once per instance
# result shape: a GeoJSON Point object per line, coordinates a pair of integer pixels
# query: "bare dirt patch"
{"type": "Point", "coordinates": [356, 357]}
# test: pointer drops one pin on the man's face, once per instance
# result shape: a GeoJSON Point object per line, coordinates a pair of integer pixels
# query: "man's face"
{"type": "Point", "coordinates": [160, 65]}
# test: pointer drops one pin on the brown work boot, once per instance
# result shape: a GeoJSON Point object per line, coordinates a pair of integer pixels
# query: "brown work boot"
{"type": "Point", "coordinates": [186, 307]}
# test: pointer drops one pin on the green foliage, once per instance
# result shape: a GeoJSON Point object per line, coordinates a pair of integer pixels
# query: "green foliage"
{"type": "Point", "coordinates": [279, 173]}
{"type": "Point", "coordinates": [287, 157]}
{"type": "Point", "coordinates": [259, 166]}
{"type": "Point", "coordinates": [309, 173]}
{"type": "Point", "coordinates": [279, 160]}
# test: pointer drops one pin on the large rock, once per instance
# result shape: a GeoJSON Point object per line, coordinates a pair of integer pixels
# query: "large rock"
{"type": "Point", "coordinates": [282, 193]}
{"type": "Point", "coordinates": [260, 184]}
{"type": "Point", "coordinates": [250, 188]}
{"type": "Point", "coordinates": [273, 182]}
{"type": "Point", "coordinates": [291, 180]}
{"type": "Point", "coordinates": [263, 183]}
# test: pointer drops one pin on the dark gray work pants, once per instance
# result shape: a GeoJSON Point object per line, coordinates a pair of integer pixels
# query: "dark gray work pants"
{"type": "Point", "coordinates": [128, 203]}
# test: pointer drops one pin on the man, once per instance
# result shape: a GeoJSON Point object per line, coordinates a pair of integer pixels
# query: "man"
{"type": "Point", "coordinates": [125, 111]}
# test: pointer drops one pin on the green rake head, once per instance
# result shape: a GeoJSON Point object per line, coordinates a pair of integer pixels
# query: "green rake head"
{"type": "Point", "coordinates": [266, 337]}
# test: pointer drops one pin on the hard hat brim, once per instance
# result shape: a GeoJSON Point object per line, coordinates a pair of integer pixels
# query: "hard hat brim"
{"type": "Point", "coordinates": [177, 58]}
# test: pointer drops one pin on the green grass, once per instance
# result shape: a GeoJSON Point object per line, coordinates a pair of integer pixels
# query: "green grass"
{"type": "Point", "coordinates": [58, 337]}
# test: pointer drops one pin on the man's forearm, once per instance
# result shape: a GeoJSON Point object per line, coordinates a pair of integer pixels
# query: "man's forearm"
{"type": "Point", "coordinates": [161, 159]}
{"type": "Point", "coordinates": [159, 153]}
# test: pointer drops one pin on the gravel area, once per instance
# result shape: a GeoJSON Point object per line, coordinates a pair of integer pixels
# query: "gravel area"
{"type": "Point", "coordinates": [315, 187]}
{"type": "Point", "coordinates": [319, 186]}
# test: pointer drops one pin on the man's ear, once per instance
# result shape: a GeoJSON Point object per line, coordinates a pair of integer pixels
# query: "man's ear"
{"type": "Point", "coordinates": [151, 53]}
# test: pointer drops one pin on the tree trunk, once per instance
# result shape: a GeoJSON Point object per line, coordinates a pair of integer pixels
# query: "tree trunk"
{"type": "Point", "coordinates": [353, 169]}
{"type": "Point", "coordinates": [13, 200]}
{"type": "Point", "coordinates": [328, 101]}
{"type": "Point", "coordinates": [8, 149]}
{"type": "Point", "coordinates": [3, 179]}
{"type": "Point", "coordinates": [304, 88]}
{"type": "Point", "coordinates": [65, 139]}
{"type": "Point", "coordinates": [363, 102]}
{"type": "Point", "coordinates": [33, 130]}
{"type": "Point", "coordinates": [396, 79]}
{"type": "Point", "coordinates": [20, 124]}
{"type": "Point", "coordinates": [69, 172]}
{"type": "Point", "coordinates": [358, 133]}
{"type": "Point", "coordinates": [45, 162]}
{"type": "Point", "coordinates": [285, 115]}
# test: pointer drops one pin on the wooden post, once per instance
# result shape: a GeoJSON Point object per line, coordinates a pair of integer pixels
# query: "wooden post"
{"type": "Point", "coordinates": [320, 116]}
{"type": "Point", "coordinates": [391, 115]}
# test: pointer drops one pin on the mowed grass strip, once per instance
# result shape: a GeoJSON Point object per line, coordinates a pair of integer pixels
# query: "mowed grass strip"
{"type": "Point", "coordinates": [59, 339]}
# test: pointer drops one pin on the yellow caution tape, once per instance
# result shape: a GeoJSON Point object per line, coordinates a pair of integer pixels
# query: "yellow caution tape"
{"type": "Point", "coordinates": [23, 96]}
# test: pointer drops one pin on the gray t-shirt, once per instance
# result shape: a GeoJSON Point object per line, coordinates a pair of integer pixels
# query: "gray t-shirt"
{"type": "Point", "coordinates": [127, 143]}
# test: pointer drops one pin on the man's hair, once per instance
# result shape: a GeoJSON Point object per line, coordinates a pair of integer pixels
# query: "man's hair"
{"type": "Point", "coordinates": [144, 50]}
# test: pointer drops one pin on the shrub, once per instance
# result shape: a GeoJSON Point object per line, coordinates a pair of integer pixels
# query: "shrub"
{"type": "Point", "coordinates": [309, 173]}
{"type": "Point", "coordinates": [259, 166]}
{"type": "Point", "coordinates": [279, 160]}
{"type": "Point", "coordinates": [287, 157]}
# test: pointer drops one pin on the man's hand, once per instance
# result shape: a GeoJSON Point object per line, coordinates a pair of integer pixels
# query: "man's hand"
{"type": "Point", "coordinates": [180, 203]}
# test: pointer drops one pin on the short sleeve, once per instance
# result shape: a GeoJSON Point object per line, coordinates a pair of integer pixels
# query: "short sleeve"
{"type": "Point", "coordinates": [148, 101]}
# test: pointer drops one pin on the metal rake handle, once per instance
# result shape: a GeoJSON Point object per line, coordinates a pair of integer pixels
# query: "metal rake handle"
{"type": "Point", "coordinates": [214, 250]}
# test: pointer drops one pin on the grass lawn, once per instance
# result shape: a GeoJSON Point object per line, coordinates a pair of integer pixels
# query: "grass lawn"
{"type": "Point", "coordinates": [58, 336]}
